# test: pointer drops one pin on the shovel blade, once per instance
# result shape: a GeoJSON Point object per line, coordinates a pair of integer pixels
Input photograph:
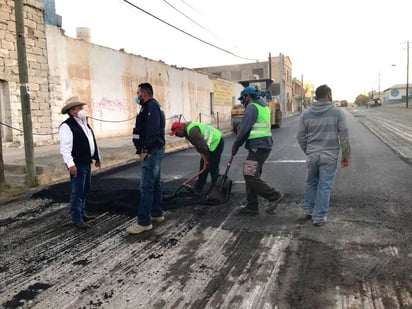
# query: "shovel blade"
{"type": "Point", "coordinates": [220, 190]}
{"type": "Point", "coordinates": [187, 187]}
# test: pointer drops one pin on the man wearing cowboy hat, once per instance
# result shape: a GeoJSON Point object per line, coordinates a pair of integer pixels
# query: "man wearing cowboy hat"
{"type": "Point", "coordinates": [78, 148]}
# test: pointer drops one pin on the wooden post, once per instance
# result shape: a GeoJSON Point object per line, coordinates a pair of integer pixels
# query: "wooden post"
{"type": "Point", "coordinates": [2, 178]}
{"type": "Point", "coordinates": [25, 95]}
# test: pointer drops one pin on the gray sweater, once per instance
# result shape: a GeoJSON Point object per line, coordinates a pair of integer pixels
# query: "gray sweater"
{"type": "Point", "coordinates": [322, 128]}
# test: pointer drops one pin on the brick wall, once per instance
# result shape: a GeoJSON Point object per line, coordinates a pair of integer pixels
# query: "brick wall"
{"type": "Point", "coordinates": [38, 72]}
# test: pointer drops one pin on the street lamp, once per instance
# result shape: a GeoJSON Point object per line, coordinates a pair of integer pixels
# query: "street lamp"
{"type": "Point", "coordinates": [379, 86]}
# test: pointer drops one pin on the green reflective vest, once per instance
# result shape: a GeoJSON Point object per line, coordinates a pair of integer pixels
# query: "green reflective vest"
{"type": "Point", "coordinates": [211, 135]}
{"type": "Point", "coordinates": [262, 126]}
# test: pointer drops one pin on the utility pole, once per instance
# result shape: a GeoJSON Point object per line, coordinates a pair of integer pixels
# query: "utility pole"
{"type": "Point", "coordinates": [407, 73]}
{"type": "Point", "coordinates": [379, 86]}
{"type": "Point", "coordinates": [25, 94]}
{"type": "Point", "coordinates": [282, 82]}
{"type": "Point", "coordinates": [2, 178]}
{"type": "Point", "coordinates": [270, 66]}
{"type": "Point", "coordinates": [302, 93]}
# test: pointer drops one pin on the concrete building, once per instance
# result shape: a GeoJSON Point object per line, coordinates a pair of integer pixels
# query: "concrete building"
{"type": "Point", "coordinates": [105, 79]}
{"type": "Point", "coordinates": [397, 94]}
{"type": "Point", "coordinates": [298, 94]}
{"type": "Point", "coordinates": [38, 71]}
{"type": "Point", "coordinates": [278, 68]}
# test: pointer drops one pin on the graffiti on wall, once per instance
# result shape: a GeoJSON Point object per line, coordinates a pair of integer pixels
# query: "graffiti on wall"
{"type": "Point", "coordinates": [105, 105]}
{"type": "Point", "coordinates": [108, 104]}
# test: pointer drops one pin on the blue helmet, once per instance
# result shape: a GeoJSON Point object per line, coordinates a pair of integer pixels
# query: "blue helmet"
{"type": "Point", "coordinates": [250, 90]}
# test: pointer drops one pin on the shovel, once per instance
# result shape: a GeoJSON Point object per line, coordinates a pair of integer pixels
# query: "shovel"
{"type": "Point", "coordinates": [185, 185]}
{"type": "Point", "coordinates": [220, 190]}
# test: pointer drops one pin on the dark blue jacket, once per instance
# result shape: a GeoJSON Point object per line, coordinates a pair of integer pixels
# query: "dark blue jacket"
{"type": "Point", "coordinates": [149, 131]}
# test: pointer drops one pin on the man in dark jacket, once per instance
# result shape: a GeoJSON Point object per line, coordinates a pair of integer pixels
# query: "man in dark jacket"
{"type": "Point", "coordinates": [78, 148]}
{"type": "Point", "coordinates": [208, 143]}
{"type": "Point", "coordinates": [149, 140]}
{"type": "Point", "coordinates": [255, 131]}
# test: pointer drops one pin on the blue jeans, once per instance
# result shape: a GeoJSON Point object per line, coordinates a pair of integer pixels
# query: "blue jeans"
{"type": "Point", "coordinates": [150, 188]}
{"type": "Point", "coordinates": [319, 183]}
{"type": "Point", "coordinates": [80, 187]}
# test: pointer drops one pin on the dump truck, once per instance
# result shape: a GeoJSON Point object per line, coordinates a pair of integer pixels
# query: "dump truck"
{"type": "Point", "coordinates": [263, 87]}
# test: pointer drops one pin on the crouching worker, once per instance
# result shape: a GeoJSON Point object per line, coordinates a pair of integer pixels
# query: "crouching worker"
{"type": "Point", "coordinates": [208, 143]}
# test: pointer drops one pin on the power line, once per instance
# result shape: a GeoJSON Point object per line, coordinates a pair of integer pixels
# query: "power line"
{"type": "Point", "coordinates": [188, 34]}
{"type": "Point", "coordinates": [193, 21]}
{"type": "Point", "coordinates": [192, 8]}
{"type": "Point", "coordinates": [176, 9]}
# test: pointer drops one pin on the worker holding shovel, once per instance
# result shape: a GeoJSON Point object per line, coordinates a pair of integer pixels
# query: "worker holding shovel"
{"type": "Point", "coordinates": [208, 143]}
{"type": "Point", "coordinates": [255, 132]}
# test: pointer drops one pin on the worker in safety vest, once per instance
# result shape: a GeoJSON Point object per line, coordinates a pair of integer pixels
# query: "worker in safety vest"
{"type": "Point", "coordinates": [209, 144]}
{"type": "Point", "coordinates": [255, 131]}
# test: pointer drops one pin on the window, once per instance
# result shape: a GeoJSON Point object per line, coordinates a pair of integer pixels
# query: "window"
{"type": "Point", "coordinates": [235, 75]}
{"type": "Point", "coordinates": [258, 72]}
{"type": "Point", "coordinates": [212, 103]}
{"type": "Point", "coordinates": [5, 111]}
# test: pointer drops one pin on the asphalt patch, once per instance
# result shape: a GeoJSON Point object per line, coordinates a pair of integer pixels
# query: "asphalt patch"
{"type": "Point", "coordinates": [25, 295]}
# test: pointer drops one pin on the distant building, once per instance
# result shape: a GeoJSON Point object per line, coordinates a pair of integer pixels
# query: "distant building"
{"type": "Point", "coordinates": [397, 94]}
{"type": "Point", "coordinates": [285, 88]}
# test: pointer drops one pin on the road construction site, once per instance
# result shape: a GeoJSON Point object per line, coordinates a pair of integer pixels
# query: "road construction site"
{"type": "Point", "coordinates": [208, 255]}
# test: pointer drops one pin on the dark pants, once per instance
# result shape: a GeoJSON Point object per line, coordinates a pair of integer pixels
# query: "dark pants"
{"type": "Point", "coordinates": [80, 185]}
{"type": "Point", "coordinates": [214, 162]}
{"type": "Point", "coordinates": [150, 188]}
{"type": "Point", "coordinates": [255, 185]}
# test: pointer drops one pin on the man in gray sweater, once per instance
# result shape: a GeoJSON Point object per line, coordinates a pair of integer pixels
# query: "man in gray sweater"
{"type": "Point", "coordinates": [322, 134]}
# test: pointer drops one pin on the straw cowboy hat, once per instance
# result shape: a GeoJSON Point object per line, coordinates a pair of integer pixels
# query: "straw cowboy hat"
{"type": "Point", "coordinates": [71, 102]}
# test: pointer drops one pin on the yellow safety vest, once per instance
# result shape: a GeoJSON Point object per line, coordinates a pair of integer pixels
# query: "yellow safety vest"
{"type": "Point", "coordinates": [211, 135]}
{"type": "Point", "coordinates": [262, 126]}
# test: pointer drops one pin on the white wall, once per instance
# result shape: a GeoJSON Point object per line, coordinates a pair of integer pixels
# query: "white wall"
{"type": "Point", "coordinates": [107, 80]}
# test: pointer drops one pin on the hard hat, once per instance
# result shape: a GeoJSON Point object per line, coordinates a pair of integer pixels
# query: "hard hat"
{"type": "Point", "coordinates": [250, 90]}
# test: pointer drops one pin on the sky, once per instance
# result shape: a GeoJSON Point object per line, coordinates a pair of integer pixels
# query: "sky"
{"type": "Point", "coordinates": [354, 46]}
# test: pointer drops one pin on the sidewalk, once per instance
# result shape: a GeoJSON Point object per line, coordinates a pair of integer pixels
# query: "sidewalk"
{"type": "Point", "coordinates": [115, 151]}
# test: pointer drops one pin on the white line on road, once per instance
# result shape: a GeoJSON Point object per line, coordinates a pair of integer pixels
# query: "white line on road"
{"type": "Point", "coordinates": [287, 161]}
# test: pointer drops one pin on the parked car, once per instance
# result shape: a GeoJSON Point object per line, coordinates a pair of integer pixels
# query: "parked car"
{"type": "Point", "coordinates": [374, 103]}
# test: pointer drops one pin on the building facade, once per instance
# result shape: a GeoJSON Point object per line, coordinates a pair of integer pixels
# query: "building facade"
{"type": "Point", "coordinates": [105, 79]}
{"type": "Point", "coordinates": [278, 69]}
{"type": "Point", "coordinates": [37, 68]}
{"type": "Point", "coordinates": [397, 94]}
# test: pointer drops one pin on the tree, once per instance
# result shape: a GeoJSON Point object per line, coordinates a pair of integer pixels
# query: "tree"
{"type": "Point", "coordinates": [362, 100]}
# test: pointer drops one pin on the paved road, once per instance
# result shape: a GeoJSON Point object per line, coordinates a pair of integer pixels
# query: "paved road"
{"type": "Point", "coordinates": [209, 256]}
{"type": "Point", "coordinates": [392, 125]}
